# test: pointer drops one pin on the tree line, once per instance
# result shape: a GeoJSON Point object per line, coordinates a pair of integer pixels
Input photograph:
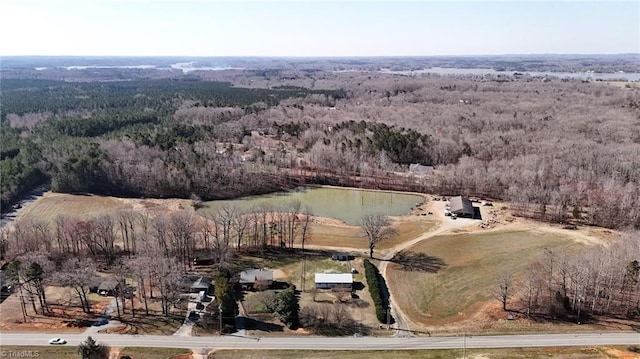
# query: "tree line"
{"type": "Point", "coordinates": [601, 280]}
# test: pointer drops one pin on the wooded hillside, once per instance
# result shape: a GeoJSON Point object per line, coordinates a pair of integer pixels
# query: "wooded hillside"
{"type": "Point", "coordinates": [556, 148]}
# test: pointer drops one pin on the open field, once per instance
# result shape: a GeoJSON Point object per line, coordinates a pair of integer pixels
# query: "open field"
{"type": "Point", "coordinates": [69, 352]}
{"type": "Point", "coordinates": [48, 352]}
{"type": "Point", "coordinates": [459, 290]}
{"type": "Point", "coordinates": [154, 353]}
{"type": "Point", "coordinates": [52, 205]}
{"type": "Point", "coordinates": [338, 235]}
{"type": "Point", "coordinates": [569, 352]}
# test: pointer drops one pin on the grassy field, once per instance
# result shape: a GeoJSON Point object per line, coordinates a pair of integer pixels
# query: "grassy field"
{"type": "Point", "coordinates": [52, 205]}
{"type": "Point", "coordinates": [48, 352]}
{"type": "Point", "coordinates": [569, 352]}
{"type": "Point", "coordinates": [328, 235]}
{"type": "Point", "coordinates": [155, 353]}
{"type": "Point", "coordinates": [472, 263]}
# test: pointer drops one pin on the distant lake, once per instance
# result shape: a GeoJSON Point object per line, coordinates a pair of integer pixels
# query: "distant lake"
{"type": "Point", "coordinates": [344, 204]}
{"type": "Point", "coordinates": [631, 76]}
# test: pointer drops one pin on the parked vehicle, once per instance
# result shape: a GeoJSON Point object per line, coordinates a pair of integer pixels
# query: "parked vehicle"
{"type": "Point", "coordinates": [57, 341]}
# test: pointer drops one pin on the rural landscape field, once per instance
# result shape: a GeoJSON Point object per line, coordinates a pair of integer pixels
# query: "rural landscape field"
{"type": "Point", "coordinates": [311, 179]}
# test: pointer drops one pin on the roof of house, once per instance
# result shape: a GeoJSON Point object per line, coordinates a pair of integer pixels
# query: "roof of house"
{"type": "Point", "coordinates": [461, 205]}
{"type": "Point", "coordinates": [108, 284]}
{"type": "Point", "coordinates": [201, 282]}
{"type": "Point", "coordinates": [251, 275]}
{"type": "Point", "coordinates": [342, 278]}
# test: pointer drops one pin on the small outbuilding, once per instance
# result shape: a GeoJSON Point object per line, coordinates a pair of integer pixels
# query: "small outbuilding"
{"type": "Point", "coordinates": [249, 277]}
{"type": "Point", "coordinates": [334, 280]}
{"type": "Point", "coordinates": [461, 207]}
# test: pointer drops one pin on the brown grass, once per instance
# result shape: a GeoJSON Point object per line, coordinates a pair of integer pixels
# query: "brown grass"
{"type": "Point", "coordinates": [52, 205]}
{"type": "Point", "coordinates": [67, 315]}
{"type": "Point", "coordinates": [565, 352]}
{"type": "Point", "coordinates": [155, 353]}
{"type": "Point", "coordinates": [472, 262]}
{"type": "Point", "coordinates": [329, 235]}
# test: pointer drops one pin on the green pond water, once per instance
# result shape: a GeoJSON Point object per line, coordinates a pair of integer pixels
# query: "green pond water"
{"type": "Point", "coordinates": [344, 204]}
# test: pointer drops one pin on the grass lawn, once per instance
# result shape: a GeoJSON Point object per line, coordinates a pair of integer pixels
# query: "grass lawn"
{"type": "Point", "coordinates": [350, 237]}
{"type": "Point", "coordinates": [49, 352]}
{"type": "Point", "coordinates": [52, 205]}
{"type": "Point", "coordinates": [569, 352]}
{"type": "Point", "coordinates": [472, 264]}
{"type": "Point", "coordinates": [155, 353]}
{"type": "Point", "coordinates": [313, 265]}
{"type": "Point", "coordinates": [153, 324]}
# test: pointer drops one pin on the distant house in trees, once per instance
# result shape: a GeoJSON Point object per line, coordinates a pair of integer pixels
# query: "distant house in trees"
{"type": "Point", "coordinates": [417, 169]}
{"type": "Point", "coordinates": [109, 286]}
{"type": "Point", "coordinates": [462, 207]}
{"type": "Point", "coordinates": [249, 277]}
{"type": "Point", "coordinates": [334, 280]}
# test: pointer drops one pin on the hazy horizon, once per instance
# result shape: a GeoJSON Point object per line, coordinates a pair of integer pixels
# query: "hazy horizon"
{"type": "Point", "coordinates": [308, 29]}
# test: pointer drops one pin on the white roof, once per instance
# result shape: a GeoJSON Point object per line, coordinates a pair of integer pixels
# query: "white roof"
{"type": "Point", "coordinates": [334, 278]}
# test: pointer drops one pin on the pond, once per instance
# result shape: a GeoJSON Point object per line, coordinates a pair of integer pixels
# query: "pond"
{"type": "Point", "coordinates": [344, 204]}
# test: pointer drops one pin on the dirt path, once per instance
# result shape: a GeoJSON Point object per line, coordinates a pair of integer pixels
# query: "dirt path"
{"type": "Point", "coordinates": [403, 323]}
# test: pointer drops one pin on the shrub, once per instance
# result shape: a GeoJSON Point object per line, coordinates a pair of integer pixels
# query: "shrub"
{"type": "Point", "coordinates": [371, 273]}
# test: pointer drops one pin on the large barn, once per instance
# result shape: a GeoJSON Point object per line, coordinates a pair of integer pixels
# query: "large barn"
{"type": "Point", "coordinates": [461, 207]}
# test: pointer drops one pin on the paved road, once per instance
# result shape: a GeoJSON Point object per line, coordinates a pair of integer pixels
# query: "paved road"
{"type": "Point", "coordinates": [340, 343]}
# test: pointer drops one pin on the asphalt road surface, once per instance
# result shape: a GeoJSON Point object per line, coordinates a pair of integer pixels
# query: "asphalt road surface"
{"type": "Point", "coordinates": [332, 343]}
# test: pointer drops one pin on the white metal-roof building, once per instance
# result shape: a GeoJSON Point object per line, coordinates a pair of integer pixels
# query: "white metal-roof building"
{"type": "Point", "coordinates": [334, 280]}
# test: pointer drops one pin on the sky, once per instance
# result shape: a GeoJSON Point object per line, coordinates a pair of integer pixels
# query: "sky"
{"type": "Point", "coordinates": [310, 28]}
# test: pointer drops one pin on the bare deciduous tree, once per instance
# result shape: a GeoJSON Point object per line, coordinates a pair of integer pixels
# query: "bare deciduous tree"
{"type": "Point", "coordinates": [376, 227]}
{"type": "Point", "coordinates": [503, 288]}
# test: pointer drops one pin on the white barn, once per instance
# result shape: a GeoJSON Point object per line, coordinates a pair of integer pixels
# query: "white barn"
{"type": "Point", "coordinates": [334, 280]}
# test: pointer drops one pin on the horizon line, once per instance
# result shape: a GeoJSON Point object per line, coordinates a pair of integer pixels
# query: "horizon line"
{"type": "Point", "coordinates": [339, 56]}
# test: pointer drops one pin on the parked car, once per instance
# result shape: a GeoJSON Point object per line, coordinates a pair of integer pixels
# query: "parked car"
{"type": "Point", "coordinates": [57, 341]}
{"type": "Point", "coordinates": [447, 213]}
{"type": "Point", "coordinates": [100, 321]}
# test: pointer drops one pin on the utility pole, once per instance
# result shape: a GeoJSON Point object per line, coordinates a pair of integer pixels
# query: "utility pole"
{"type": "Point", "coordinates": [220, 317]}
{"type": "Point", "coordinates": [464, 345]}
{"type": "Point", "coordinates": [388, 317]}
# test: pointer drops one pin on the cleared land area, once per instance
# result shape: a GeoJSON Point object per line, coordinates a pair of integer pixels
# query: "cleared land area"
{"type": "Point", "coordinates": [462, 286]}
{"type": "Point", "coordinates": [329, 235]}
{"type": "Point", "coordinates": [52, 205]}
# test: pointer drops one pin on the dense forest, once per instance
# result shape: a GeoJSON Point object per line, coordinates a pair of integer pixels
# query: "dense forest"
{"type": "Point", "coordinates": [556, 148]}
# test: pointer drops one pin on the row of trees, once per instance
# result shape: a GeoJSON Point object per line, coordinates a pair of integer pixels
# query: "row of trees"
{"type": "Point", "coordinates": [181, 235]}
{"type": "Point", "coordinates": [601, 280]}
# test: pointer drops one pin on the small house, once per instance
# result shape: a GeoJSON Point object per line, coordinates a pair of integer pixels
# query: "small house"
{"type": "Point", "coordinates": [109, 286]}
{"type": "Point", "coordinates": [334, 280]}
{"type": "Point", "coordinates": [417, 169]}
{"type": "Point", "coordinates": [249, 277]}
